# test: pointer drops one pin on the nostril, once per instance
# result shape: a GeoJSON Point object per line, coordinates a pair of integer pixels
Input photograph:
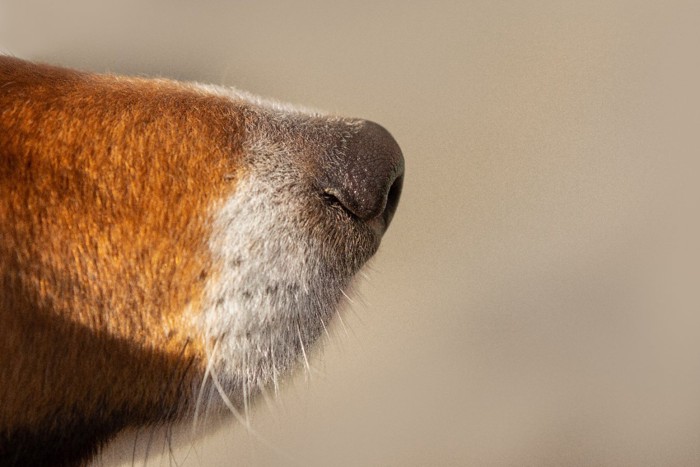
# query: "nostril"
{"type": "Point", "coordinates": [392, 200]}
{"type": "Point", "coordinates": [332, 198]}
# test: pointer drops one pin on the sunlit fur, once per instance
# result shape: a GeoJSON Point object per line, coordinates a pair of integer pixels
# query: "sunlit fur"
{"type": "Point", "coordinates": [165, 251]}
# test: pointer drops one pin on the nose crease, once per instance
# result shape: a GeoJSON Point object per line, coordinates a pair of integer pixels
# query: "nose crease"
{"type": "Point", "coordinates": [366, 180]}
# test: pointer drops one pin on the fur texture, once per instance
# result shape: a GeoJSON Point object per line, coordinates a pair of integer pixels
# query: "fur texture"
{"type": "Point", "coordinates": [159, 240]}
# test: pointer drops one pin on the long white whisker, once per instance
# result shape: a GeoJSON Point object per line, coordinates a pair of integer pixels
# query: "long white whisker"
{"type": "Point", "coordinates": [274, 367]}
{"type": "Point", "coordinates": [347, 297]}
{"type": "Point", "coordinates": [325, 329]}
{"type": "Point", "coordinates": [303, 352]}
{"type": "Point", "coordinates": [227, 402]}
{"type": "Point", "coordinates": [266, 397]}
{"type": "Point", "coordinates": [342, 323]}
{"type": "Point", "coordinates": [245, 401]}
{"type": "Point", "coordinates": [198, 403]}
{"type": "Point", "coordinates": [237, 415]}
{"type": "Point", "coordinates": [353, 309]}
{"type": "Point", "coordinates": [207, 372]}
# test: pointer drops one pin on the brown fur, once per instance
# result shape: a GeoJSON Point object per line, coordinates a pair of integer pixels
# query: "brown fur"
{"type": "Point", "coordinates": [93, 235]}
{"type": "Point", "coordinates": [156, 235]}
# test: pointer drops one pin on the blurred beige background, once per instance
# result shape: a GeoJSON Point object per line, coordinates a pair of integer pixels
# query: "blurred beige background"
{"type": "Point", "coordinates": [535, 301]}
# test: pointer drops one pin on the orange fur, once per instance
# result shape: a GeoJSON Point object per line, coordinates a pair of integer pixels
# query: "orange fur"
{"type": "Point", "coordinates": [144, 223]}
{"type": "Point", "coordinates": [95, 232]}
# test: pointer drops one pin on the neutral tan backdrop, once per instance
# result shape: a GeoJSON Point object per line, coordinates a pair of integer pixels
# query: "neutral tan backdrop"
{"type": "Point", "coordinates": [535, 301]}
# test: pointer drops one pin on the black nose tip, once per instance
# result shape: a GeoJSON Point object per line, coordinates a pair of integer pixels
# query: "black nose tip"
{"type": "Point", "coordinates": [367, 179]}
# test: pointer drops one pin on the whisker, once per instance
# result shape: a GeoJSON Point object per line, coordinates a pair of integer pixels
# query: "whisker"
{"type": "Point", "coordinates": [347, 297]}
{"type": "Point", "coordinates": [148, 446]}
{"type": "Point", "coordinates": [191, 449]}
{"type": "Point", "coordinates": [165, 444]}
{"type": "Point", "coordinates": [227, 402]}
{"type": "Point", "coordinates": [342, 323]}
{"type": "Point", "coordinates": [171, 454]}
{"type": "Point", "coordinates": [266, 397]}
{"type": "Point", "coordinates": [245, 400]}
{"type": "Point", "coordinates": [176, 383]}
{"type": "Point", "coordinates": [207, 373]}
{"type": "Point", "coordinates": [303, 352]}
{"type": "Point", "coordinates": [133, 452]}
{"type": "Point", "coordinates": [355, 314]}
{"type": "Point", "coordinates": [237, 415]}
{"type": "Point", "coordinates": [200, 396]}
{"type": "Point", "coordinates": [274, 367]}
{"type": "Point", "coordinates": [325, 329]}
{"type": "Point", "coordinates": [353, 306]}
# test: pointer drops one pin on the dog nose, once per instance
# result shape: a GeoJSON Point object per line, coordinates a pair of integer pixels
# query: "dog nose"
{"type": "Point", "coordinates": [367, 177]}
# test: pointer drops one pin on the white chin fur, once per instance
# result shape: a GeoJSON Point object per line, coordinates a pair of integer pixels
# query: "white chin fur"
{"type": "Point", "coordinates": [274, 289]}
{"type": "Point", "coordinates": [271, 294]}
